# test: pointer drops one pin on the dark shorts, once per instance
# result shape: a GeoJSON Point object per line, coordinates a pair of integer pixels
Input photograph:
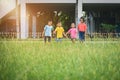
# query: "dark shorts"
{"type": "Point", "coordinates": [47, 38]}
{"type": "Point", "coordinates": [82, 36]}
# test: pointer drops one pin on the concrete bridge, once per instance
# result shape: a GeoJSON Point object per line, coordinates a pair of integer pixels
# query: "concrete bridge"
{"type": "Point", "coordinates": [19, 10]}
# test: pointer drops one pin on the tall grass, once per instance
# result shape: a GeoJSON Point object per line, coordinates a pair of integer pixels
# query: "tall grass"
{"type": "Point", "coordinates": [34, 60]}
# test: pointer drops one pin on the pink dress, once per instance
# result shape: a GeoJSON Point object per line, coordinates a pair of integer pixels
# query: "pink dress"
{"type": "Point", "coordinates": [73, 33]}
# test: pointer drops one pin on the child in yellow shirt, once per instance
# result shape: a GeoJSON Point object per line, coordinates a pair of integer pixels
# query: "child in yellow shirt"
{"type": "Point", "coordinates": [59, 32]}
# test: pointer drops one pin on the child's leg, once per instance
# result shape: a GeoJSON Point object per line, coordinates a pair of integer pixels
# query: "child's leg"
{"type": "Point", "coordinates": [80, 35]}
{"type": "Point", "coordinates": [60, 39]}
{"type": "Point", "coordinates": [57, 39]}
{"type": "Point", "coordinates": [45, 39]}
{"type": "Point", "coordinates": [83, 36]}
{"type": "Point", "coordinates": [49, 39]}
{"type": "Point", "coordinates": [73, 40]}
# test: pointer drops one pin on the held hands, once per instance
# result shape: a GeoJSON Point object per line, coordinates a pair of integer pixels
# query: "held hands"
{"type": "Point", "coordinates": [54, 32]}
{"type": "Point", "coordinates": [65, 35]}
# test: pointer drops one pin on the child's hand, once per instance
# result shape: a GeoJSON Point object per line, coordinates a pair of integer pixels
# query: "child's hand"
{"type": "Point", "coordinates": [66, 36]}
{"type": "Point", "coordinates": [54, 32]}
{"type": "Point", "coordinates": [42, 35]}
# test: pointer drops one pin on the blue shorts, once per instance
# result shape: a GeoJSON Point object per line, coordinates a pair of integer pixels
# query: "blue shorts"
{"type": "Point", "coordinates": [82, 36]}
{"type": "Point", "coordinates": [59, 39]}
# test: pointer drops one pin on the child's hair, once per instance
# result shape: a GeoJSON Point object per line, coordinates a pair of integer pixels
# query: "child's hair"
{"type": "Point", "coordinates": [82, 19]}
{"type": "Point", "coordinates": [73, 23]}
{"type": "Point", "coordinates": [59, 22]}
{"type": "Point", "coordinates": [49, 20]}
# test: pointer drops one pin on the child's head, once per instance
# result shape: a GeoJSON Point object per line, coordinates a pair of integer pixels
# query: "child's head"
{"type": "Point", "coordinates": [72, 25]}
{"type": "Point", "coordinates": [82, 20]}
{"type": "Point", "coordinates": [59, 24]}
{"type": "Point", "coordinates": [50, 22]}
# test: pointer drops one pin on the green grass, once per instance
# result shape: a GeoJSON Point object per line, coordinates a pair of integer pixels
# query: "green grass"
{"type": "Point", "coordinates": [33, 60]}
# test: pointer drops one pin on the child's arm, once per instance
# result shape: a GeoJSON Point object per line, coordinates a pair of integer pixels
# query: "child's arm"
{"type": "Point", "coordinates": [64, 34]}
{"type": "Point", "coordinates": [54, 32]}
{"type": "Point", "coordinates": [43, 33]}
{"type": "Point", "coordinates": [67, 33]}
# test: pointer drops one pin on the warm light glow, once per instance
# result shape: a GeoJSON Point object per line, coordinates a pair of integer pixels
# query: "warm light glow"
{"type": "Point", "coordinates": [6, 6]}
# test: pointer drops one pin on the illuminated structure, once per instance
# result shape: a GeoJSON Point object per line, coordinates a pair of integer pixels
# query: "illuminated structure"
{"type": "Point", "coordinates": [19, 11]}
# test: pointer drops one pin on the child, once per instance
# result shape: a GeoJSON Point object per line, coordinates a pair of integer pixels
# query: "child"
{"type": "Point", "coordinates": [59, 31]}
{"type": "Point", "coordinates": [82, 27]}
{"type": "Point", "coordinates": [73, 32]}
{"type": "Point", "coordinates": [48, 31]}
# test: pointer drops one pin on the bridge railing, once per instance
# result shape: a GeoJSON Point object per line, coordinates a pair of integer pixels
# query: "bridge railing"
{"type": "Point", "coordinates": [38, 35]}
{"type": "Point", "coordinates": [103, 36]}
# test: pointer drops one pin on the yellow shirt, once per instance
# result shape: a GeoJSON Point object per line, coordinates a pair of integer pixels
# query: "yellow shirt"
{"type": "Point", "coordinates": [59, 31]}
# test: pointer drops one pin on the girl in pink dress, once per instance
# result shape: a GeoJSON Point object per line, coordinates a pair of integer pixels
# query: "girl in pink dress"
{"type": "Point", "coordinates": [73, 32]}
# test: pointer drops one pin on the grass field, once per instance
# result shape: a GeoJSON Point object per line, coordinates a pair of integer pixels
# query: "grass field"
{"type": "Point", "coordinates": [34, 60]}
